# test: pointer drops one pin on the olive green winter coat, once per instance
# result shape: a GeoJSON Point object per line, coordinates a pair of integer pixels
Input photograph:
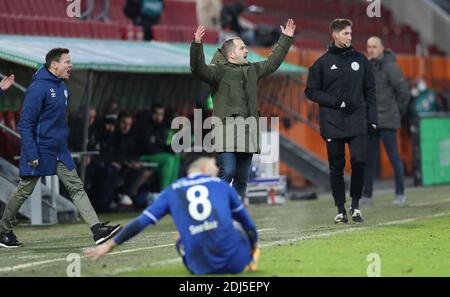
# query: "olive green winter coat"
{"type": "Point", "coordinates": [234, 92]}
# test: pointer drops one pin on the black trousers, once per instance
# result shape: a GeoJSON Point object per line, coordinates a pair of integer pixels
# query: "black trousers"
{"type": "Point", "coordinates": [336, 160]}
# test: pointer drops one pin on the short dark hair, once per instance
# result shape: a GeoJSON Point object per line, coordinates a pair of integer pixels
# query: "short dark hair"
{"type": "Point", "coordinates": [156, 106]}
{"type": "Point", "coordinates": [228, 46]}
{"type": "Point", "coordinates": [124, 114]}
{"type": "Point", "coordinates": [54, 55]}
{"type": "Point", "coordinates": [191, 158]}
{"type": "Point", "coordinates": [338, 25]}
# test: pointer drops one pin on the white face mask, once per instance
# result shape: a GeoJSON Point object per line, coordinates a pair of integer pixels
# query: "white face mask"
{"type": "Point", "coordinates": [414, 92]}
{"type": "Point", "coordinates": [422, 86]}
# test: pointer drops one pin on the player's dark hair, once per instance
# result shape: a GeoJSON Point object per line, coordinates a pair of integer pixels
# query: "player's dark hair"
{"type": "Point", "coordinates": [124, 114]}
{"type": "Point", "coordinates": [54, 55]}
{"type": "Point", "coordinates": [156, 106]}
{"type": "Point", "coordinates": [191, 158]}
{"type": "Point", "coordinates": [338, 25]}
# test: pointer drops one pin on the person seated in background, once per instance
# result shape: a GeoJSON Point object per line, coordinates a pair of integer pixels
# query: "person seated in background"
{"type": "Point", "coordinates": [76, 125]}
{"type": "Point", "coordinates": [132, 172]}
{"type": "Point", "coordinates": [217, 234]}
{"type": "Point", "coordinates": [155, 146]}
{"type": "Point", "coordinates": [75, 142]}
{"type": "Point", "coordinates": [111, 108]}
{"type": "Point", "coordinates": [104, 169]}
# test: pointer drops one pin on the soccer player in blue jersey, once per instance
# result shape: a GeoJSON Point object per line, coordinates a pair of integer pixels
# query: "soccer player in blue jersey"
{"type": "Point", "coordinates": [217, 235]}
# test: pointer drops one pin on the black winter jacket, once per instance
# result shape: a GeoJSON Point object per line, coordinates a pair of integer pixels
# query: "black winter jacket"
{"type": "Point", "coordinates": [343, 74]}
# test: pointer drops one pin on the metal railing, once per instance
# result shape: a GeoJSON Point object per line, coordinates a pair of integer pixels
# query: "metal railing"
{"type": "Point", "coordinates": [10, 131]}
{"type": "Point", "coordinates": [286, 94]}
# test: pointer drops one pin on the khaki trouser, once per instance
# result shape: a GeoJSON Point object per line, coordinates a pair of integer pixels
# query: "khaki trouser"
{"type": "Point", "coordinates": [74, 187]}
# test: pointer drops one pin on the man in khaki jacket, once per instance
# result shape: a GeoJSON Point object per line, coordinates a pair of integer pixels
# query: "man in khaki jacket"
{"type": "Point", "coordinates": [233, 81]}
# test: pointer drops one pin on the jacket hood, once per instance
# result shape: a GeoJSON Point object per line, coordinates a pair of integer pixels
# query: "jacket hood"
{"type": "Point", "coordinates": [333, 49]}
{"type": "Point", "coordinates": [388, 56]}
{"type": "Point", "coordinates": [44, 74]}
{"type": "Point", "coordinates": [220, 59]}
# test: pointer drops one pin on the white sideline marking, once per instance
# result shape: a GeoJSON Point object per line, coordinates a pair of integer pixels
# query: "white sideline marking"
{"type": "Point", "coordinates": [33, 264]}
{"type": "Point", "coordinates": [320, 235]}
{"type": "Point", "coordinates": [429, 203]}
{"type": "Point", "coordinates": [351, 229]}
{"type": "Point", "coordinates": [278, 242]}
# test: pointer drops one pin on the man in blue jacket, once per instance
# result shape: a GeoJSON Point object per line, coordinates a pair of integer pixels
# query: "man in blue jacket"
{"type": "Point", "coordinates": [44, 152]}
{"type": "Point", "coordinates": [6, 83]}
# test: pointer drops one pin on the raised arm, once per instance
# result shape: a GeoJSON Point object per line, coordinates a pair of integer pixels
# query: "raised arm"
{"type": "Point", "coordinates": [6, 83]}
{"type": "Point", "coordinates": [206, 73]}
{"type": "Point", "coordinates": [279, 51]}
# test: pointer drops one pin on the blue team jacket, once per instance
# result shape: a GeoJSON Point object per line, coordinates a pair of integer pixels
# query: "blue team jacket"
{"type": "Point", "coordinates": [43, 125]}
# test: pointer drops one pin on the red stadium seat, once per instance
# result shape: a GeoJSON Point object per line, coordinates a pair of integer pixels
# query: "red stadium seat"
{"type": "Point", "coordinates": [3, 21]}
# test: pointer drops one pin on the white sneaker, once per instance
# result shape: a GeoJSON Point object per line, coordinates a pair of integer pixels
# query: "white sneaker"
{"type": "Point", "coordinates": [356, 215]}
{"type": "Point", "coordinates": [341, 218]}
{"type": "Point", "coordinates": [399, 200]}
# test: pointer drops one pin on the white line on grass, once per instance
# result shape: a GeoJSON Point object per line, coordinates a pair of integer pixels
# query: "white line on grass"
{"type": "Point", "coordinates": [38, 263]}
{"type": "Point", "coordinates": [351, 229]}
{"type": "Point", "coordinates": [320, 235]}
{"type": "Point", "coordinates": [278, 242]}
{"type": "Point", "coordinates": [33, 264]}
{"type": "Point", "coordinates": [430, 202]}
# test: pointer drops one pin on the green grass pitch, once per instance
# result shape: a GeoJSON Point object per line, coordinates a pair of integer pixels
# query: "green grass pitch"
{"type": "Point", "coordinates": [296, 239]}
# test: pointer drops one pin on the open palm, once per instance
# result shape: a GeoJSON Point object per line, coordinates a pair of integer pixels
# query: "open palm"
{"type": "Point", "coordinates": [198, 35]}
{"type": "Point", "coordinates": [7, 82]}
{"type": "Point", "coordinates": [289, 30]}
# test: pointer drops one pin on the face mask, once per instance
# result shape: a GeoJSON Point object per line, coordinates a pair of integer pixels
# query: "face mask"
{"type": "Point", "coordinates": [414, 92]}
{"type": "Point", "coordinates": [422, 86]}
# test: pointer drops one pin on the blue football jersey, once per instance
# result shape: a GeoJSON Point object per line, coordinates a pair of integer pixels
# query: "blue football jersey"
{"type": "Point", "coordinates": [203, 208]}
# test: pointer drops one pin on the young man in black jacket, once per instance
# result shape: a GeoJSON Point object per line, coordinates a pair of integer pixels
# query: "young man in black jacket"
{"type": "Point", "coordinates": [342, 83]}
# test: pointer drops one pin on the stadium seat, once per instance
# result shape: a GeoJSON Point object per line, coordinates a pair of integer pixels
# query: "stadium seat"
{"type": "Point", "coordinates": [312, 17]}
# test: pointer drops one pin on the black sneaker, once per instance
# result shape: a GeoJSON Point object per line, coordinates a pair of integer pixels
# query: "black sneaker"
{"type": "Point", "coordinates": [341, 218]}
{"type": "Point", "coordinates": [356, 215]}
{"type": "Point", "coordinates": [9, 240]}
{"type": "Point", "coordinates": [103, 232]}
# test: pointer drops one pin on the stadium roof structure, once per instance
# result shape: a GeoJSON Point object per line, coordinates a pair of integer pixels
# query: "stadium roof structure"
{"type": "Point", "coordinates": [112, 55]}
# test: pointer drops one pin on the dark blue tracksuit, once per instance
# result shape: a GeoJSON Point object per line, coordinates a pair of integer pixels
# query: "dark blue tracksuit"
{"type": "Point", "coordinates": [43, 125]}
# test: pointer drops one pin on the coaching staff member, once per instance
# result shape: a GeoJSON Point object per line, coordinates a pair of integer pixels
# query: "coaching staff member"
{"type": "Point", "coordinates": [44, 152]}
{"type": "Point", "coordinates": [233, 81]}
{"type": "Point", "coordinates": [342, 83]}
